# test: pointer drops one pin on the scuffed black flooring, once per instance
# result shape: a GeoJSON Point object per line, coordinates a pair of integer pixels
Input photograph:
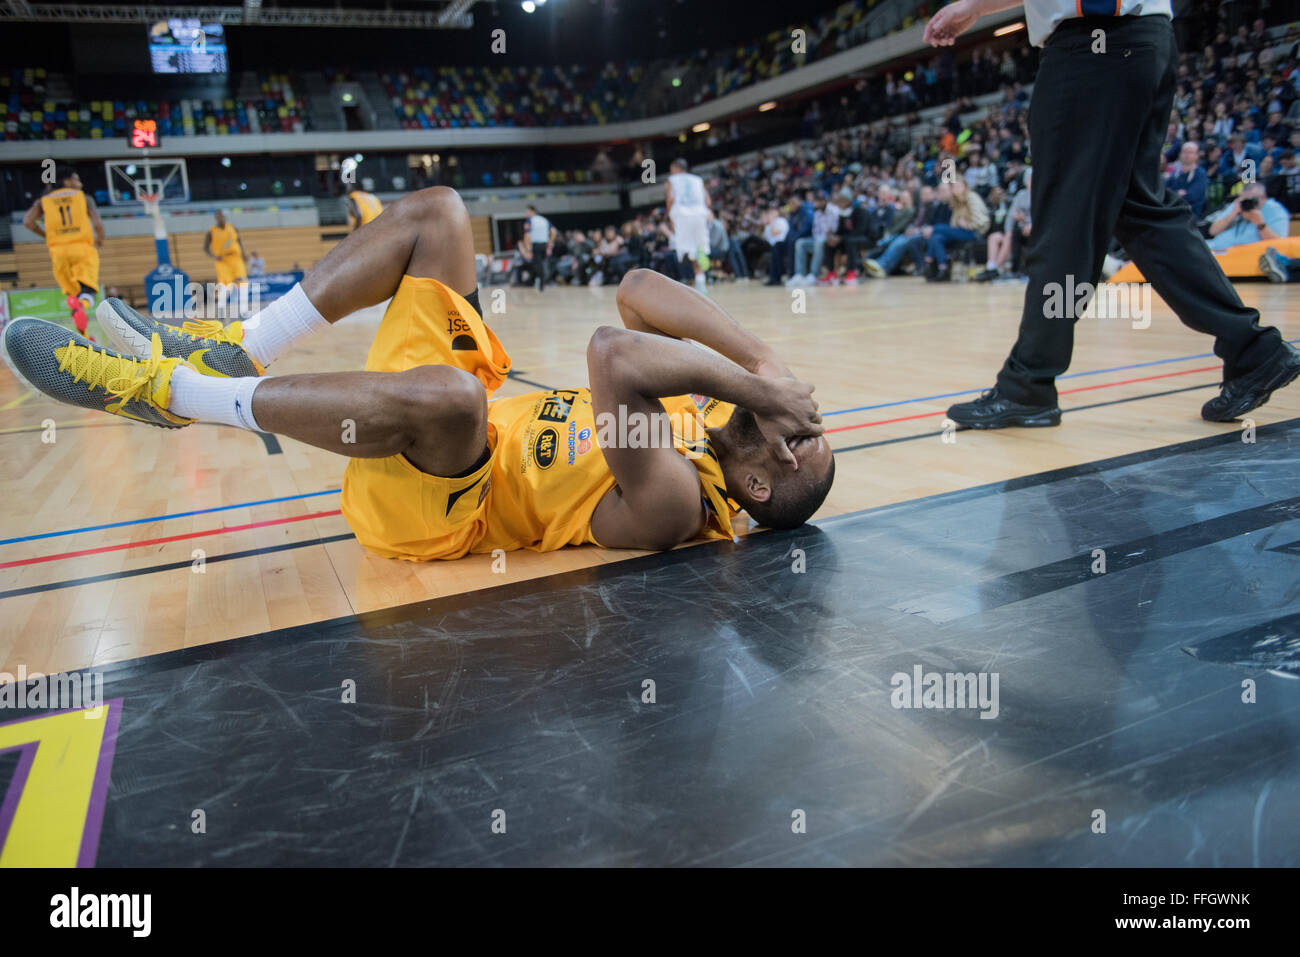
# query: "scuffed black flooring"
{"type": "Point", "coordinates": [1119, 695]}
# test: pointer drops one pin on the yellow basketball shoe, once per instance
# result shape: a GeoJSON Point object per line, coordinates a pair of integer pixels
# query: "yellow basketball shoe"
{"type": "Point", "coordinates": [206, 344]}
{"type": "Point", "coordinates": [47, 358]}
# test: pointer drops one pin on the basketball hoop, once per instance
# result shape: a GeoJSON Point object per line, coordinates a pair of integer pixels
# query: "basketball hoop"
{"type": "Point", "coordinates": [151, 201]}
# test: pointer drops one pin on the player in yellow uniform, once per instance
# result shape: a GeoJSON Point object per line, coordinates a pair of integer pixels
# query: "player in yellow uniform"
{"type": "Point", "coordinates": [667, 445]}
{"type": "Point", "coordinates": [362, 207]}
{"type": "Point", "coordinates": [223, 244]}
{"type": "Point", "coordinates": [74, 234]}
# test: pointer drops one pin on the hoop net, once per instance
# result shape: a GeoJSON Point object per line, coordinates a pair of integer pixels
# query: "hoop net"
{"type": "Point", "coordinates": [151, 201]}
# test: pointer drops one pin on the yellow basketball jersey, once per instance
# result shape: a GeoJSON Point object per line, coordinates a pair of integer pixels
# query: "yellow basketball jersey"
{"type": "Point", "coordinates": [545, 472]}
{"type": "Point", "coordinates": [225, 242]}
{"type": "Point", "coordinates": [549, 473]}
{"type": "Point", "coordinates": [368, 205]}
{"type": "Point", "coordinates": [67, 218]}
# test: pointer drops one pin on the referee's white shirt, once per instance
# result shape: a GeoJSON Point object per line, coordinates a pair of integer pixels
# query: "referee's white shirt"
{"type": "Point", "coordinates": [1042, 16]}
{"type": "Point", "coordinates": [539, 229]}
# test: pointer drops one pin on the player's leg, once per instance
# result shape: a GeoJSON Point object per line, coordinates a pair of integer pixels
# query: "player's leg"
{"type": "Point", "coordinates": [435, 416]}
{"type": "Point", "coordinates": [426, 233]}
{"type": "Point", "coordinates": [63, 263]}
{"type": "Point", "coordinates": [424, 394]}
{"type": "Point", "coordinates": [86, 274]}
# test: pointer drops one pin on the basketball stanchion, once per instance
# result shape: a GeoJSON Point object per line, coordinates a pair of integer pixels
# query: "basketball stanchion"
{"type": "Point", "coordinates": [164, 285]}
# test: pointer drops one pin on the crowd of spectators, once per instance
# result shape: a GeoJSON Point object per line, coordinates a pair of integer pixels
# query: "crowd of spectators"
{"type": "Point", "coordinates": [818, 210]}
{"type": "Point", "coordinates": [898, 195]}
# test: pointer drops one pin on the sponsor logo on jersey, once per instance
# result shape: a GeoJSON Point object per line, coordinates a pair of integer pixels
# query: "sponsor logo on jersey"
{"type": "Point", "coordinates": [579, 442]}
{"type": "Point", "coordinates": [545, 448]}
{"type": "Point", "coordinates": [557, 406]}
{"type": "Point", "coordinates": [462, 335]}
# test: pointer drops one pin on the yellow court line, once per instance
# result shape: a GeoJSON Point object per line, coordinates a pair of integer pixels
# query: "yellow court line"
{"type": "Point", "coordinates": [13, 403]}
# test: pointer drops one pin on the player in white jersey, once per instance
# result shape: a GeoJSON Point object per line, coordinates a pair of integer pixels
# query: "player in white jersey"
{"type": "Point", "coordinates": [689, 208]}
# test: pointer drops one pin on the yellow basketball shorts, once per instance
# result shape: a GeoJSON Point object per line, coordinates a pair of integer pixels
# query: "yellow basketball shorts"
{"type": "Point", "coordinates": [75, 265]}
{"type": "Point", "coordinates": [231, 270]}
{"type": "Point", "coordinates": [394, 509]}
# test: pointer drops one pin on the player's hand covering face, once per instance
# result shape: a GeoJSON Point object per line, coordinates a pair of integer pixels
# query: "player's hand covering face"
{"type": "Point", "coordinates": [789, 414]}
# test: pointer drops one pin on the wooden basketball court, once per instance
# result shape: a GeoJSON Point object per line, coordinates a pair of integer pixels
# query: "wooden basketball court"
{"type": "Point", "coordinates": [122, 541]}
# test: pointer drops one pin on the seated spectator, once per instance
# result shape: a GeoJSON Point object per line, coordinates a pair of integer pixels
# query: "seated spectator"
{"type": "Point", "coordinates": [969, 220]}
{"type": "Point", "coordinates": [998, 239]}
{"type": "Point", "coordinates": [776, 228]}
{"type": "Point", "coordinates": [801, 225]}
{"type": "Point", "coordinates": [856, 228]}
{"type": "Point", "coordinates": [1250, 217]}
{"type": "Point", "coordinates": [256, 265]}
{"type": "Point", "coordinates": [931, 212]}
{"type": "Point", "coordinates": [1237, 159]}
{"type": "Point", "coordinates": [722, 249]}
{"type": "Point", "coordinates": [825, 219]}
{"type": "Point", "coordinates": [1285, 183]}
{"type": "Point", "coordinates": [1188, 180]}
{"type": "Point", "coordinates": [1276, 129]}
{"type": "Point", "coordinates": [608, 248]}
{"type": "Point", "coordinates": [629, 256]}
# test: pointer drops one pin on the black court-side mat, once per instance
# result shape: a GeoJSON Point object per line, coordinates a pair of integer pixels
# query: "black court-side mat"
{"type": "Point", "coordinates": [1091, 667]}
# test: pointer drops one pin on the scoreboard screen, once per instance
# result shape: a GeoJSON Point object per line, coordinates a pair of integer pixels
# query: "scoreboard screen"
{"type": "Point", "coordinates": [187, 46]}
{"type": "Point", "coordinates": [143, 135]}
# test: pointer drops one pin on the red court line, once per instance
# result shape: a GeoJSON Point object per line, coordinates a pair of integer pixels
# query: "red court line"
{"type": "Point", "coordinates": [169, 538]}
{"type": "Point", "coordinates": [1082, 388]}
{"type": "Point", "coordinates": [302, 518]}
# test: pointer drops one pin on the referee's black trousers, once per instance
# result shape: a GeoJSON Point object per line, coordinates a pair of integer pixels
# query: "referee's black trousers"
{"type": "Point", "coordinates": [1097, 124]}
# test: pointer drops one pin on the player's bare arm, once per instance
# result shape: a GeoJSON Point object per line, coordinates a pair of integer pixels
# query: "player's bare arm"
{"type": "Point", "coordinates": [656, 503]}
{"type": "Point", "coordinates": [207, 245]}
{"type": "Point", "coordinates": [33, 219]}
{"type": "Point", "coordinates": [652, 303]}
{"type": "Point", "coordinates": [96, 223]}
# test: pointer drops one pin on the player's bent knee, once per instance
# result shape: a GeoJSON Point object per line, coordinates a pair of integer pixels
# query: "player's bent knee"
{"type": "Point", "coordinates": [445, 398]}
{"type": "Point", "coordinates": [606, 346]}
{"type": "Point", "coordinates": [437, 203]}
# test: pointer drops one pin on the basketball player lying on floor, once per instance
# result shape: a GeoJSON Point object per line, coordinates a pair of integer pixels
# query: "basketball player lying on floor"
{"type": "Point", "coordinates": [436, 471]}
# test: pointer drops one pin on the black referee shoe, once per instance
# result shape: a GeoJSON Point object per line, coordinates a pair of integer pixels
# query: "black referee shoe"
{"type": "Point", "coordinates": [1238, 396]}
{"type": "Point", "coordinates": [994, 411]}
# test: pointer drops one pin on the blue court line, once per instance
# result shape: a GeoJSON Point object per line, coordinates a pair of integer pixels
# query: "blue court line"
{"type": "Point", "coordinates": [330, 491]}
{"type": "Point", "coordinates": [163, 518]}
{"type": "Point", "coordinates": [1072, 375]}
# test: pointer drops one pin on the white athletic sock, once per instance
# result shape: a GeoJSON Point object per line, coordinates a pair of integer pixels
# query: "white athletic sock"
{"type": "Point", "coordinates": [990, 266]}
{"type": "Point", "coordinates": [213, 399]}
{"type": "Point", "coordinates": [270, 333]}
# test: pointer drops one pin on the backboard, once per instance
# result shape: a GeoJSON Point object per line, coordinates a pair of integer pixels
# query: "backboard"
{"type": "Point", "coordinates": [128, 179]}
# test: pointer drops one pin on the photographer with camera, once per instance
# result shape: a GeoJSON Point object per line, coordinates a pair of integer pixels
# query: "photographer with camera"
{"type": "Point", "coordinates": [1252, 216]}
